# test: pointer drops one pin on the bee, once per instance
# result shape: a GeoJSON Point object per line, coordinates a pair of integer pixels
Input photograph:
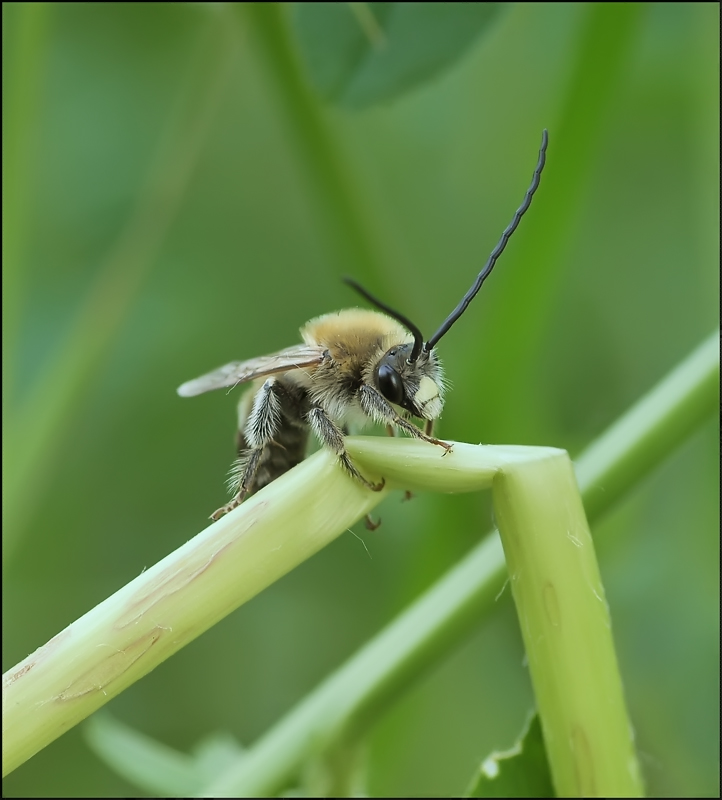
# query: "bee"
{"type": "Point", "coordinates": [354, 366]}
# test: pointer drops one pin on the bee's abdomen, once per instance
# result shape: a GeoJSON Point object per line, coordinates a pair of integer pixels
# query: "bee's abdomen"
{"type": "Point", "coordinates": [286, 451]}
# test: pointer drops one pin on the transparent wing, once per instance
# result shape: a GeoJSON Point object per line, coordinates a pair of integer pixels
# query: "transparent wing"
{"type": "Point", "coordinates": [236, 372]}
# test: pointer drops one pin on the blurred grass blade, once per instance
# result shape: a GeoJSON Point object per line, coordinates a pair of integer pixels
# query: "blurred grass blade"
{"type": "Point", "coordinates": [152, 765]}
{"type": "Point", "coordinates": [359, 54]}
{"type": "Point", "coordinates": [521, 771]}
{"type": "Point", "coordinates": [347, 217]}
{"type": "Point", "coordinates": [141, 760]}
{"type": "Point", "coordinates": [35, 433]}
{"type": "Point", "coordinates": [340, 771]}
{"type": "Point", "coordinates": [354, 696]}
{"type": "Point", "coordinates": [606, 43]}
{"type": "Point", "coordinates": [24, 61]}
{"type": "Point", "coordinates": [612, 464]}
{"type": "Point", "coordinates": [215, 752]}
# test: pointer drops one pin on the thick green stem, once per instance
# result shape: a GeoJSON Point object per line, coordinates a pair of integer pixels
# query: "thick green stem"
{"type": "Point", "coordinates": [419, 637]}
{"type": "Point", "coordinates": [173, 602]}
{"type": "Point", "coordinates": [567, 632]}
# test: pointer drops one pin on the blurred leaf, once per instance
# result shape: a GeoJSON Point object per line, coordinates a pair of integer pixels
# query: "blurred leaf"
{"type": "Point", "coordinates": [608, 34]}
{"type": "Point", "coordinates": [23, 76]}
{"type": "Point", "coordinates": [359, 54]}
{"type": "Point", "coordinates": [140, 759]}
{"type": "Point", "coordinates": [522, 771]}
{"type": "Point", "coordinates": [39, 424]}
{"type": "Point", "coordinates": [215, 752]}
{"type": "Point", "coordinates": [153, 765]}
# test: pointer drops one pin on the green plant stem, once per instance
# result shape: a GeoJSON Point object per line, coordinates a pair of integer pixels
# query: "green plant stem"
{"type": "Point", "coordinates": [160, 611]}
{"type": "Point", "coordinates": [352, 698]}
{"type": "Point", "coordinates": [170, 604]}
{"type": "Point", "coordinates": [567, 632]}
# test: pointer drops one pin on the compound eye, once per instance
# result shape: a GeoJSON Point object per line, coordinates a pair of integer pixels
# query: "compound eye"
{"type": "Point", "coordinates": [390, 384]}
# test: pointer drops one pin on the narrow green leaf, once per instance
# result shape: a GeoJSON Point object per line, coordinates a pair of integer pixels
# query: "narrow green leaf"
{"type": "Point", "coordinates": [359, 54]}
{"type": "Point", "coordinates": [521, 771]}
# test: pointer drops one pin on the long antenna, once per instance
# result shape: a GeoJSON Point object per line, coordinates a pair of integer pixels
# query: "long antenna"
{"type": "Point", "coordinates": [498, 250]}
{"type": "Point", "coordinates": [407, 323]}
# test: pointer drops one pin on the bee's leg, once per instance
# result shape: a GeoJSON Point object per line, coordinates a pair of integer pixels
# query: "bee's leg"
{"type": "Point", "coordinates": [429, 427]}
{"type": "Point", "coordinates": [242, 474]}
{"type": "Point", "coordinates": [378, 408]}
{"type": "Point", "coordinates": [391, 431]}
{"type": "Point", "coordinates": [260, 428]}
{"type": "Point", "coordinates": [332, 437]}
{"type": "Point", "coordinates": [370, 524]}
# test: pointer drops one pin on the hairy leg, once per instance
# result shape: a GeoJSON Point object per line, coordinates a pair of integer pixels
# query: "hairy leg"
{"type": "Point", "coordinates": [259, 430]}
{"type": "Point", "coordinates": [378, 408]}
{"type": "Point", "coordinates": [331, 436]}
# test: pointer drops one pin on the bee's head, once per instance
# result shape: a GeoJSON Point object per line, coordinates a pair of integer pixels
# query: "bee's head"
{"type": "Point", "coordinates": [415, 385]}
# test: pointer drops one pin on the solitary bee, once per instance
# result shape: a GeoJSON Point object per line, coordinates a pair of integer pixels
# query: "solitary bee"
{"type": "Point", "coordinates": [354, 366]}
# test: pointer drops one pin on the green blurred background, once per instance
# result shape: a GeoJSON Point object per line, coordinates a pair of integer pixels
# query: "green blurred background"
{"type": "Point", "coordinates": [161, 183]}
